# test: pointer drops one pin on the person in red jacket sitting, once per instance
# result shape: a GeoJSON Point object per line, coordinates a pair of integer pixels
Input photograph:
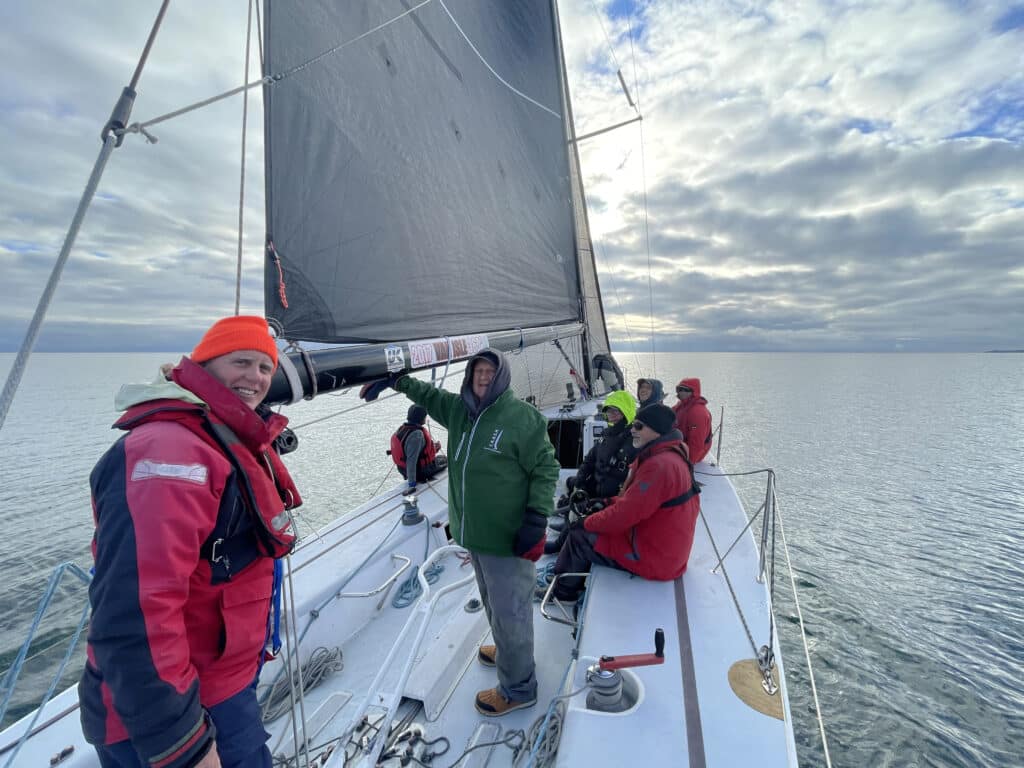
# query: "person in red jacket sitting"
{"type": "Point", "coordinates": [693, 419]}
{"type": "Point", "coordinates": [648, 528]}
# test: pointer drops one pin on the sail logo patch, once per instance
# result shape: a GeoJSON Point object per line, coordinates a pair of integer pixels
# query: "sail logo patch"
{"type": "Point", "coordinates": [147, 469]}
{"type": "Point", "coordinates": [394, 357]}
{"type": "Point", "coordinates": [492, 444]}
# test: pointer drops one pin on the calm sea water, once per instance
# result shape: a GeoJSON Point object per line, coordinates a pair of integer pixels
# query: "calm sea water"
{"type": "Point", "coordinates": [900, 484]}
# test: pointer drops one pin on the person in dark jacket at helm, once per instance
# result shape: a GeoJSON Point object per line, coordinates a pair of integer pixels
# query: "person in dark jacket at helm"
{"type": "Point", "coordinates": [415, 453]}
{"type": "Point", "coordinates": [648, 528]}
{"type": "Point", "coordinates": [649, 391]}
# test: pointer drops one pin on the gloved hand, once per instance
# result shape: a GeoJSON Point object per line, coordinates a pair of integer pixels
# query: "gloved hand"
{"type": "Point", "coordinates": [529, 539]}
{"type": "Point", "coordinates": [372, 389]}
{"type": "Point", "coordinates": [596, 505]}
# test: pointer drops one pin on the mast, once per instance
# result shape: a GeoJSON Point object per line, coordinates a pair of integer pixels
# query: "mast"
{"type": "Point", "coordinates": [576, 185]}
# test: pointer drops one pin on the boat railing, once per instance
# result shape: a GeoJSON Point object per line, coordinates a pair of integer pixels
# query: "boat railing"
{"type": "Point", "coordinates": [420, 619]}
{"type": "Point", "coordinates": [771, 519]}
{"type": "Point", "coordinates": [565, 608]}
{"type": "Point", "coordinates": [10, 680]}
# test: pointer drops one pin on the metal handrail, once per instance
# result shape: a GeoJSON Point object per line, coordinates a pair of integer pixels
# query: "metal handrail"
{"type": "Point", "coordinates": [422, 612]}
{"type": "Point", "coordinates": [387, 583]}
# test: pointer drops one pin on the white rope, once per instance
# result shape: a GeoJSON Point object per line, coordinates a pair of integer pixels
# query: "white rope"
{"type": "Point", "coordinates": [803, 637]}
{"type": "Point", "coordinates": [241, 181]}
{"type": "Point", "coordinates": [292, 621]}
{"type": "Point", "coordinates": [140, 127]}
{"type": "Point", "coordinates": [502, 80]}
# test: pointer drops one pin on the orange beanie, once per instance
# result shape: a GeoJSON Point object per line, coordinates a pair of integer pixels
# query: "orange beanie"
{"type": "Point", "coordinates": [231, 334]}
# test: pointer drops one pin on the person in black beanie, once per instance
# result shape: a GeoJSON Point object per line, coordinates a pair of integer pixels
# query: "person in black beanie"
{"type": "Point", "coordinates": [648, 528]}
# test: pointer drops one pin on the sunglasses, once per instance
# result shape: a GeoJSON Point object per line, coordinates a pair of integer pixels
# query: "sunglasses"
{"type": "Point", "coordinates": [683, 389]}
{"type": "Point", "coordinates": [636, 426]}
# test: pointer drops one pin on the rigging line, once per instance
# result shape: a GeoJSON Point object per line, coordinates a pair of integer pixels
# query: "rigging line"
{"type": "Point", "coordinates": [643, 181]}
{"type": "Point", "coordinates": [149, 45]}
{"type": "Point", "coordinates": [342, 413]}
{"type": "Point", "coordinates": [21, 360]}
{"type": "Point", "coordinates": [259, 37]}
{"type": "Point", "coordinates": [728, 583]}
{"type": "Point", "coordinates": [265, 80]}
{"type": "Point", "coordinates": [491, 69]}
{"type": "Point", "coordinates": [618, 299]}
{"type": "Point", "coordinates": [618, 66]}
{"type": "Point", "coordinates": [112, 137]}
{"type": "Point", "coordinates": [241, 181]}
{"type": "Point", "coordinates": [803, 637]}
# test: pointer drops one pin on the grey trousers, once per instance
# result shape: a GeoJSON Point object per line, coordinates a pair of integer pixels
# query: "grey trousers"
{"type": "Point", "coordinates": [506, 589]}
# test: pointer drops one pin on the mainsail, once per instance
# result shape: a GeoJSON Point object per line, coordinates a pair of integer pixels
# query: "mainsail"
{"type": "Point", "coordinates": [421, 182]}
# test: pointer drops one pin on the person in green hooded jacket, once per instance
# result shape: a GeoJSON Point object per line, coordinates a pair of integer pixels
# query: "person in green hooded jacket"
{"type": "Point", "coordinates": [502, 473]}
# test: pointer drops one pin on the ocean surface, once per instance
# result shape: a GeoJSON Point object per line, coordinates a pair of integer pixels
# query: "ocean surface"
{"type": "Point", "coordinates": [900, 484]}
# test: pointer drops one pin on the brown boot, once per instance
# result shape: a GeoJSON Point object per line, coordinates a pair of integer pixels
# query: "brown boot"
{"type": "Point", "coordinates": [492, 704]}
{"type": "Point", "coordinates": [487, 655]}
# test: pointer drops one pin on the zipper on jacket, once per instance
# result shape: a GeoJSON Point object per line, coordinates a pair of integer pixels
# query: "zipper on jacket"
{"type": "Point", "coordinates": [459, 449]}
{"type": "Point", "coordinates": [465, 466]}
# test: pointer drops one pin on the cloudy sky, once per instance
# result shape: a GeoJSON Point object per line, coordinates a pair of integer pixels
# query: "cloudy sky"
{"type": "Point", "coordinates": [821, 176]}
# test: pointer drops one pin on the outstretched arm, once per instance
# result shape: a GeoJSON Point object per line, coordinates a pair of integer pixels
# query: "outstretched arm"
{"type": "Point", "coordinates": [440, 404]}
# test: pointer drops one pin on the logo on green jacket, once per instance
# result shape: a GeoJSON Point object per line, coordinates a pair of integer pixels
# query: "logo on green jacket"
{"type": "Point", "coordinates": [492, 444]}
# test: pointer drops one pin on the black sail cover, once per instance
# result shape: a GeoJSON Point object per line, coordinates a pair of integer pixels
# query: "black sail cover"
{"type": "Point", "coordinates": [418, 178]}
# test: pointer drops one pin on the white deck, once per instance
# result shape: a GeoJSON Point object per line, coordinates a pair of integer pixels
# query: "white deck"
{"type": "Point", "coordinates": [686, 715]}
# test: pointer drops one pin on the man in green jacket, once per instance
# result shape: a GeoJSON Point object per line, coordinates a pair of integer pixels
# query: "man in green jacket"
{"type": "Point", "coordinates": [502, 473]}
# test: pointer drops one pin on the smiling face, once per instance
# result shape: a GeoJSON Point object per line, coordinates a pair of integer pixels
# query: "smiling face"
{"type": "Point", "coordinates": [643, 391]}
{"type": "Point", "coordinates": [246, 372]}
{"type": "Point", "coordinates": [483, 374]}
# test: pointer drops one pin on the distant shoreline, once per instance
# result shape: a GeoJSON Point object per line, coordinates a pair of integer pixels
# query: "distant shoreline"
{"type": "Point", "coordinates": [1003, 351]}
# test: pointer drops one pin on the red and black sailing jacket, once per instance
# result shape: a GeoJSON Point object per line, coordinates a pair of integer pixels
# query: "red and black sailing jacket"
{"type": "Point", "coordinates": [648, 528]}
{"type": "Point", "coordinates": [191, 507]}
{"type": "Point", "coordinates": [693, 420]}
{"type": "Point", "coordinates": [427, 456]}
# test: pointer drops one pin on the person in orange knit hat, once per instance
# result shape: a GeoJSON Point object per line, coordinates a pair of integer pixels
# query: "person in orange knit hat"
{"type": "Point", "coordinates": [190, 518]}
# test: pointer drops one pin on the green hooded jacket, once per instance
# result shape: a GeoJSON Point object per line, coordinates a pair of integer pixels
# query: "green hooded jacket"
{"type": "Point", "coordinates": [499, 464]}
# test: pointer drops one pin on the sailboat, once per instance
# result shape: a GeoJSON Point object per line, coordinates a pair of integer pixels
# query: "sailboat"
{"type": "Point", "coordinates": [424, 201]}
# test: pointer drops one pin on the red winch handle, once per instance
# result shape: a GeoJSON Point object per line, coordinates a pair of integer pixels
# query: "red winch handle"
{"type": "Point", "coordinates": [608, 663]}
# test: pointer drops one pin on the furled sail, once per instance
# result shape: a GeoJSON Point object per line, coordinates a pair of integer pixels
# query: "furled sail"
{"type": "Point", "coordinates": [418, 178]}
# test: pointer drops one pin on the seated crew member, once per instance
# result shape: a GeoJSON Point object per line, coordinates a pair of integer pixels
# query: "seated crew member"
{"type": "Point", "coordinates": [415, 453]}
{"type": "Point", "coordinates": [648, 529]}
{"type": "Point", "coordinates": [606, 465]}
{"type": "Point", "coordinates": [693, 419]}
{"type": "Point", "coordinates": [649, 392]}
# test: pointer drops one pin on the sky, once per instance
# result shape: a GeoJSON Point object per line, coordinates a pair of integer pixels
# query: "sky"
{"type": "Point", "coordinates": [807, 176]}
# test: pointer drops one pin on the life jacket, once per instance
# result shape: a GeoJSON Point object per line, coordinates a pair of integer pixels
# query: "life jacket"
{"type": "Point", "coordinates": [258, 522]}
{"type": "Point", "coordinates": [252, 520]}
{"type": "Point", "coordinates": [428, 455]}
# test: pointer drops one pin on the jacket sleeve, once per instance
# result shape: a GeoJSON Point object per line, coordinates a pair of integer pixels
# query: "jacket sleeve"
{"type": "Point", "coordinates": [414, 445]}
{"type": "Point", "coordinates": [537, 458]}
{"type": "Point", "coordinates": [440, 403]}
{"type": "Point", "coordinates": [639, 501]}
{"type": "Point", "coordinates": [155, 505]}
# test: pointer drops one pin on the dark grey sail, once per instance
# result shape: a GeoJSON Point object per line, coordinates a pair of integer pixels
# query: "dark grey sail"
{"type": "Point", "coordinates": [418, 178]}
